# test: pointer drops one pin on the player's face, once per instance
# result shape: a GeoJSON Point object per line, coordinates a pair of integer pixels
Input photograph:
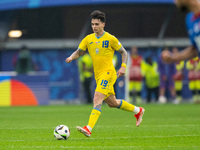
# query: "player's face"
{"type": "Point", "coordinates": [134, 51]}
{"type": "Point", "coordinates": [97, 26]}
{"type": "Point", "coordinates": [182, 5]}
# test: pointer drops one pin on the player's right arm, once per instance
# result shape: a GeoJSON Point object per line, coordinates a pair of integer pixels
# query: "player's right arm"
{"type": "Point", "coordinates": [74, 55]}
{"type": "Point", "coordinates": [80, 51]}
{"type": "Point", "coordinates": [187, 53]}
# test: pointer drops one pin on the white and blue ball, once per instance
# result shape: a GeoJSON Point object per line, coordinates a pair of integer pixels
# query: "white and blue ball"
{"type": "Point", "coordinates": [61, 132]}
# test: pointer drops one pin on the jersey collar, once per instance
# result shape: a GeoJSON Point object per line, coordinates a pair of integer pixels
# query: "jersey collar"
{"type": "Point", "coordinates": [196, 16]}
{"type": "Point", "coordinates": [100, 36]}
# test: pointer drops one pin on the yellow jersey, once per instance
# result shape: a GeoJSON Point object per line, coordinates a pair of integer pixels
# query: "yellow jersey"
{"type": "Point", "coordinates": [101, 50]}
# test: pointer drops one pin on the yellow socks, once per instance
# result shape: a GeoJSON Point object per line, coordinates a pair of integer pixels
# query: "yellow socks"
{"type": "Point", "coordinates": [126, 106]}
{"type": "Point", "coordinates": [97, 112]}
{"type": "Point", "coordinates": [94, 117]}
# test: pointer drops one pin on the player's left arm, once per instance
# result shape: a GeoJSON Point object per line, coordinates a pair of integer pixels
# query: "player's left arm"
{"type": "Point", "coordinates": [124, 54]}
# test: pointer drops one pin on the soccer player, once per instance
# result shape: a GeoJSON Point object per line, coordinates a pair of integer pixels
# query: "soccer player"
{"type": "Point", "coordinates": [135, 76]}
{"type": "Point", "coordinates": [101, 46]}
{"type": "Point", "coordinates": [178, 77]}
{"type": "Point", "coordinates": [167, 71]}
{"type": "Point", "coordinates": [86, 75]}
{"type": "Point", "coordinates": [193, 28]}
{"type": "Point", "coordinates": [193, 67]}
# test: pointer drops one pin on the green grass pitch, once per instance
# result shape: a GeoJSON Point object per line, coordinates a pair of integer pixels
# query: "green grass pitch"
{"type": "Point", "coordinates": [164, 127]}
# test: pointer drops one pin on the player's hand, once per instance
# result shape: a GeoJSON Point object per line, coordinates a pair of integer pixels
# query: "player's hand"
{"type": "Point", "coordinates": [121, 72]}
{"type": "Point", "coordinates": [68, 60]}
{"type": "Point", "coordinates": [167, 56]}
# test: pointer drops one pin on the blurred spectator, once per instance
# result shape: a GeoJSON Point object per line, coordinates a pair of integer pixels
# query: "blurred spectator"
{"type": "Point", "coordinates": [193, 67]}
{"type": "Point", "coordinates": [23, 62]}
{"type": "Point", "coordinates": [152, 82]}
{"type": "Point", "coordinates": [167, 71]}
{"type": "Point", "coordinates": [117, 66]}
{"type": "Point", "coordinates": [86, 75]}
{"type": "Point", "coordinates": [135, 75]}
{"type": "Point", "coordinates": [192, 20]}
{"type": "Point", "coordinates": [115, 61]}
{"type": "Point", "coordinates": [178, 77]}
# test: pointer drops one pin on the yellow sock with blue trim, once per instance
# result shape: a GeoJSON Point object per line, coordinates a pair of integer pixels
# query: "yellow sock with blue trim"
{"type": "Point", "coordinates": [126, 106]}
{"type": "Point", "coordinates": [94, 117]}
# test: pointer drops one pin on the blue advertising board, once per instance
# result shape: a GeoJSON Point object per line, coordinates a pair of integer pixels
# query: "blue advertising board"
{"type": "Point", "coordinates": [23, 4]}
{"type": "Point", "coordinates": [63, 80]}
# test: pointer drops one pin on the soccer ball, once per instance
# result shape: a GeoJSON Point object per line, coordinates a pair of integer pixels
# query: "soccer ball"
{"type": "Point", "coordinates": [61, 132]}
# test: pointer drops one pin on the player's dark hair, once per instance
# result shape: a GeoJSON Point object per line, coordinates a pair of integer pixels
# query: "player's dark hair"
{"type": "Point", "coordinates": [98, 15]}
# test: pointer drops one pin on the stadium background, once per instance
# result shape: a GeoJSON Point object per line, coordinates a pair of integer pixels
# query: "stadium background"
{"type": "Point", "coordinates": [53, 29]}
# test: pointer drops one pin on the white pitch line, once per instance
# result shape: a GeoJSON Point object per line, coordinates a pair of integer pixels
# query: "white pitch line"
{"type": "Point", "coordinates": [25, 128]}
{"type": "Point", "coordinates": [73, 147]}
{"type": "Point", "coordinates": [97, 147]}
{"type": "Point", "coordinates": [114, 138]}
{"type": "Point", "coordinates": [147, 126]}
{"type": "Point", "coordinates": [99, 126]}
{"type": "Point", "coordinates": [12, 140]}
{"type": "Point", "coordinates": [170, 136]}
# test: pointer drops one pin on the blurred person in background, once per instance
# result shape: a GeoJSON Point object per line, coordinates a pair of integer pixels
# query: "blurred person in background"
{"type": "Point", "coordinates": [117, 67]}
{"type": "Point", "coordinates": [23, 61]}
{"type": "Point", "coordinates": [115, 61]}
{"type": "Point", "coordinates": [167, 71]}
{"type": "Point", "coordinates": [178, 77]}
{"type": "Point", "coordinates": [101, 46]}
{"type": "Point", "coordinates": [151, 75]}
{"type": "Point", "coordinates": [193, 67]}
{"type": "Point", "coordinates": [86, 75]}
{"type": "Point", "coordinates": [193, 29]}
{"type": "Point", "coordinates": [135, 75]}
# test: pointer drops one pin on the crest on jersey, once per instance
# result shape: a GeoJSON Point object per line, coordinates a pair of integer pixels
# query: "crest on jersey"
{"type": "Point", "coordinates": [97, 51]}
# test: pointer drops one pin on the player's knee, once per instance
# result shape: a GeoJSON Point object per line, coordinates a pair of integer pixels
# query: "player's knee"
{"type": "Point", "coordinates": [97, 101]}
{"type": "Point", "coordinates": [110, 105]}
{"type": "Point", "coordinates": [113, 105]}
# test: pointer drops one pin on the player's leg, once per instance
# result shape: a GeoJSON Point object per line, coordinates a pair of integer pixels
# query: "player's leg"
{"type": "Point", "coordinates": [193, 90]}
{"type": "Point", "coordinates": [123, 105]}
{"type": "Point", "coordinates": [87, 88]}
{"type": "Point", "coordinates": [178, 87]}
{"type": "Point", "coordinates": [170, 85]}
{"type": "Point", "coordinates": [198, 88]}
{"type": "Point", "coordinates": [131, 91]}
{"type": "Point", "coordinates": [156, 91]}
{"type": "Point", "coordinates": [162, 98]}
{"type": "Point", "coordinates": [148, 95]}
{"type": "Point", "coordinates": [96, 112]}
{"type": "Point", "coordinates": [138, 88]}
{"type": "Point", "coordinates": [102, 89]}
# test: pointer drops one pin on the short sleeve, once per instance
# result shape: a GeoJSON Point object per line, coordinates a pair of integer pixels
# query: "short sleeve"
{"type": "Point", "coordinates": [83, 44]}
{"type": "Point", "coordinates": [116, 45]}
